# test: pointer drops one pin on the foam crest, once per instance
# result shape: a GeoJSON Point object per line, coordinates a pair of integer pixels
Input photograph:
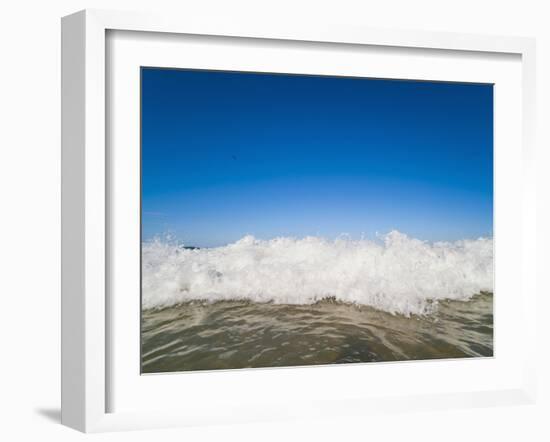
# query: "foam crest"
{"type": "Point", "coordinates": [397, 274]}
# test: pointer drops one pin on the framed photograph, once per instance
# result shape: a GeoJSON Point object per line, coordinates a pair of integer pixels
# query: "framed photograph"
{"type": "Point", "coordinates": [264, 222]}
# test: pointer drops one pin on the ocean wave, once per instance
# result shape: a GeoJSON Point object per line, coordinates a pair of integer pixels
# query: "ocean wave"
{"type": "Point", "coordinates": [396, 273]}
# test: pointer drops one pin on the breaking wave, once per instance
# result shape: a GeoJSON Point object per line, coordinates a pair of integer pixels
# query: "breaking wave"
{"type": "Point", "coordinates": [396, 273]}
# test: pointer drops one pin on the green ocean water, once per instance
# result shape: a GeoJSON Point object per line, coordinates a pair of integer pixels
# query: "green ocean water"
{"type": "Point", "coordinates": [240, 334]}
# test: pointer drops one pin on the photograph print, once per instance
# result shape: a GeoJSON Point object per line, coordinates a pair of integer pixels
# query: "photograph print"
{"type": "Point", "coordinates": [300, 220]}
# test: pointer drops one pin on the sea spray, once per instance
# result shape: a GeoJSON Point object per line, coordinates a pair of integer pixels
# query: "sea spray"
{"type": "Point", "coordinates": [397, 274]}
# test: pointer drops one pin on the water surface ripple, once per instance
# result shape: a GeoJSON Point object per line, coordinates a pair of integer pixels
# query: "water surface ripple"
{"type": "Point", "coordinates": [242, 334]}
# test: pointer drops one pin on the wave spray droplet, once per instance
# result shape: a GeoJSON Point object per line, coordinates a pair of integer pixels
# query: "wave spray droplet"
{"type": "Point", "coordinates": [398, 274]}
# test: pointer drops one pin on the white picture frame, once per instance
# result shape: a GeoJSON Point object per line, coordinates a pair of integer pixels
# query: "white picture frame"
{"type": "Point", "coordinates": [86, 203]}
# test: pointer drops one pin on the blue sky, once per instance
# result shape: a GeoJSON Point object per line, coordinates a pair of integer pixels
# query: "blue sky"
{"type": "Point", "coordinates": [225, 154]}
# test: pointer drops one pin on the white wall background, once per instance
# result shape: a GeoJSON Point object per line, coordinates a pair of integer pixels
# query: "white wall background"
{"type": "Point", "coordinates": [30, 219]}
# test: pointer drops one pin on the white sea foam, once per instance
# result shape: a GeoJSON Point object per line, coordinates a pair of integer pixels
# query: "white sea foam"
{"type": "Point", "coordinates": [397, 274]}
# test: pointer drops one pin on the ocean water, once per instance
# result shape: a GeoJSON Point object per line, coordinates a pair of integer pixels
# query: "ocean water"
{"type": "Point", "coordinates": [311, 301]}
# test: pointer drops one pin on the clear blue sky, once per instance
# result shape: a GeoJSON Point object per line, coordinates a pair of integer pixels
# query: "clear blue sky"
{"type": "Point", "coordinates": [228, 154]}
